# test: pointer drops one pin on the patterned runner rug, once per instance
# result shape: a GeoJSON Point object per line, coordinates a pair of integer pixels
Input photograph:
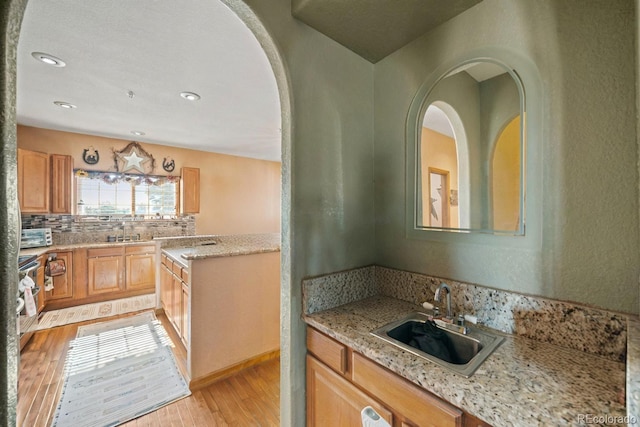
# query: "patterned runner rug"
{"type": "Point", "coordinates": [117, 371]}
{"type": "Point", "coordinates": [80, 313]}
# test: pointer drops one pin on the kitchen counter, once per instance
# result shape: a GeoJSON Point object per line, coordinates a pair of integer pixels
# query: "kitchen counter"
{"type": "Point", "coordinates": [524, 382]}
{"type": "Point", "coordinates": [70, 247]}
{"type": "Point", "coordinates": [225, 246]}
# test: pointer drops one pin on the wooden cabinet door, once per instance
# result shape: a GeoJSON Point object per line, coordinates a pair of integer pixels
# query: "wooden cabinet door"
{"type": "Point", "coordinates": [33, 181]}
{"type": "Point", "coordinates": [63, 285]}
{"type": "Point", "coordinates": [104, 274]}
{"type": "Point", "coordinates": [141, 271]}
{"type": "Point", "coordinates": [61, 183]}
{"type": "Point", "coordinates": [40, 283]}
{"type": "Point", "coordinates": [166, 282]}
{"type": "Point", "coordinates": [334, 401]}
{"type": "Point", "coordinates": [190, 190]}
{"type": "Point", "coordinates": [176, 306]}
{"type": "Point", "coordinates": [184, 327]}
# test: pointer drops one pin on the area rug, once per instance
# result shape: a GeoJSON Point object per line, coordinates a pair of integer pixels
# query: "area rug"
{"type": "Point", "coordinates": [118, 370]}
{"type": "Point", "coordinates": [98, 310]}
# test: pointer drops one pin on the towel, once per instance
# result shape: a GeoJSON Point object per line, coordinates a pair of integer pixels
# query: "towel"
{"type": "Point", "coordinates": [29, 303]}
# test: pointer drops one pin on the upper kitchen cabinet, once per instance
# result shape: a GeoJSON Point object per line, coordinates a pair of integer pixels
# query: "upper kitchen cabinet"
{"type": "Point", "coordinates": [61, 183]}
{"type": "Point", "coordinates": [33, 181]}
{"type": "Point", "coordinates": [44, 182]}
{"type": "Point", "coordinates": [190, 190]}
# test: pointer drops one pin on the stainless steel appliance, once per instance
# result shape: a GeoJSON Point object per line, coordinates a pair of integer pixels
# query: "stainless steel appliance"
{"type": "Point", "coordinates": [35, 238]}
{"type": "Point", "coordinates": [27, 266]}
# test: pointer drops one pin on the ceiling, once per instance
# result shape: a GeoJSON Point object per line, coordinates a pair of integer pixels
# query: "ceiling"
{"type": "Point", "coordinates": [128, 61]}
{"type": "Point", "coordinates": [374, 29]}
{"type": "Point", "coordinates": [156, 50]}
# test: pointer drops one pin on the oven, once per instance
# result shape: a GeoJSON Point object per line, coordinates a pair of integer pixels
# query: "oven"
{"type": "Point", "coordinates": [27, 308]}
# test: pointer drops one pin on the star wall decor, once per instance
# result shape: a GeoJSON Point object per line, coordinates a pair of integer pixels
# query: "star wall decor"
{"type": "Point", "coordinates": [134, 157]}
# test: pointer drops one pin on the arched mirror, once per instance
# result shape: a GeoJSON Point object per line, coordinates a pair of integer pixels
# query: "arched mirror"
{"type": "Point", "coordinates": [469, 152]}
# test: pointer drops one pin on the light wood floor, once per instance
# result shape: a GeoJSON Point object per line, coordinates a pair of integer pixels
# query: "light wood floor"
{"type": "Point", "coordinates": [249, 398]}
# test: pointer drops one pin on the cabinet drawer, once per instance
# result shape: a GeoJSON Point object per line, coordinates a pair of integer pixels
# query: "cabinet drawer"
{"type": "Point", "coordinates": [96, 252]}
{"type": "Point", "coordinates": [329, 351]}
{"type": "Point", "coordinates": [185, 275]}
{"type": "Point", "coordinates": [416, 404]}
{"type": "Point", "coordinates": [139, 249]}
{"type": "Point", "coordinates": [168, 262]}
{"type": "Point", "coordinates": [177, 269]}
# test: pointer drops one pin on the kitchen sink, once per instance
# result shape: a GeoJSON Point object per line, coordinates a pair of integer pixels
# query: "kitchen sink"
{"type": "Point", "coordinates": [466, 347]}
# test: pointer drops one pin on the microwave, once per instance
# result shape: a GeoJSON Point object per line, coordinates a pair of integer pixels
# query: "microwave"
{"type": "Point", "coordinates": [35, 238]}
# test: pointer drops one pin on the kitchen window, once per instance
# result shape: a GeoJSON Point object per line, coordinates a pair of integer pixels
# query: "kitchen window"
{"type": "Point", "coordinates": [108, 193]}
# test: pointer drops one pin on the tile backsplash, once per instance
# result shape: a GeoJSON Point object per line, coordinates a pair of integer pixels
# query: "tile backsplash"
{"type": "Point", "coordinates": [71, 229]}
{"type": "Point", "coordinates": [570, 325]}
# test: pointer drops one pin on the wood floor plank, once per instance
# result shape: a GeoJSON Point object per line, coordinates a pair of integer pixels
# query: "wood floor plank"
{"type": "Point", "coordinates": [249, 398]}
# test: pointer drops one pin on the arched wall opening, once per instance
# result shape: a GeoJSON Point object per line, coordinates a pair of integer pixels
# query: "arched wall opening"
{"type": "Point", "coordinates": [11, 14]}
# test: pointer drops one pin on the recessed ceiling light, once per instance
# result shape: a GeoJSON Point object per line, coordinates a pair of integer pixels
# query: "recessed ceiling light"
{"type": "Point", "coordinates": [190, 96]}
{"type": "Point", "coordinates": [48, 59]}
{"type": "Point", "coordinates": [137, 132]}
{"type": "Point", "coordinates": [66, 105]}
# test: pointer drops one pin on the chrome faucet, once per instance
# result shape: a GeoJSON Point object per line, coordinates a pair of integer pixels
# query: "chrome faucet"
{"type": "Point", "coordinates": [437, 298]}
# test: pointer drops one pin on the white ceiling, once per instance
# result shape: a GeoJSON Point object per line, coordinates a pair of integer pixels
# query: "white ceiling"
{"type": "Point", "coordinates": [157, 49]}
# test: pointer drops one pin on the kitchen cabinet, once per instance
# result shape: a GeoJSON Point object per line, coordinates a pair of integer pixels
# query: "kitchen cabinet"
{"type": "Point", "coordinates": [190, 190]}
{"type": "Point", "coordinates": [408, 404]}
{"type": "Point", "coordinates": [174, 296]}
{"type": "Point", "coordinates": [33, 181]}
{"type": "Point", "coordinates": [102, 274]}
{"type": "Point", "coordinates": [105, 270]}
{"type": "Point", "coordinates": [40, 282]}
{"type": "Point", "coordinates": [140, 267]}
{"type": "Point", "coordinates": [63, 284]}
{"type": "Point", "coordinates": [61, 183]}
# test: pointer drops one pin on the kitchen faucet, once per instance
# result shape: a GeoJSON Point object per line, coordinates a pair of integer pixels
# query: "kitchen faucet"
{"type": "Point", "coordinates": [437, 298]}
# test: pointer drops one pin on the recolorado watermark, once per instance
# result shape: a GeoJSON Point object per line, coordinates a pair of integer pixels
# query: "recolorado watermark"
{"type": "Point", "coordinates": [607, 419]}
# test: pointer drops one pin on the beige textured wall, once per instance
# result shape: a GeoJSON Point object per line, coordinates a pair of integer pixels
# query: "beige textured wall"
{"type": "Point", "coordinates": [505, 178]}
{"type": "Point", "coordinates": [237, 194]}
{"type": "Point", "coordinates": [235, 310]}
{"type": "Point", "coordinates": [438, 151]}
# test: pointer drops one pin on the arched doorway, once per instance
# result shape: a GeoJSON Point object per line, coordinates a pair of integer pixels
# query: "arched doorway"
{"type": "Point", "coordinates": [11, 14]}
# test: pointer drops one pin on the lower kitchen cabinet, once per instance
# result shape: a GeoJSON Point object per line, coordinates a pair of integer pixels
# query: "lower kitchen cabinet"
{"type": "Point", "coordinates": [140, 267]}
{"type": "Point", "coordinates": [63, 284]}
{"type": "Point", "coordinates": [174, 296]}
{"type": "Point", "coordinates": [102, 274]}
{"type": "Point", "coordinates": [40, 282]}
{"type": "Point", "coordinates": [105, 268]}
{"type": "Point", "coordinates": [336, 395]}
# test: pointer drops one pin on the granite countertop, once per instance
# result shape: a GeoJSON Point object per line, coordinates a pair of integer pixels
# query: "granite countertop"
{"type": "Point", "coordinates": [524, 382]}
{"type": "Point", "coordinates": [225, 246]}
{"type": "Point", "coordinates": [70, 247]}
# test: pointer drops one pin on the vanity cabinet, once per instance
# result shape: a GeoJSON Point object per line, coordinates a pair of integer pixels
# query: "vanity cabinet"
{"type": "Point", "coordinates": [334, 401]}
{"type": "Point", "coordinates": [174, 296]}
{"type": "Point", "coordinates": [190, 190]}
{"type": "Point", "coordinates": [341, 382]}
{"type": "Point", "coordinates": [33, 181]}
